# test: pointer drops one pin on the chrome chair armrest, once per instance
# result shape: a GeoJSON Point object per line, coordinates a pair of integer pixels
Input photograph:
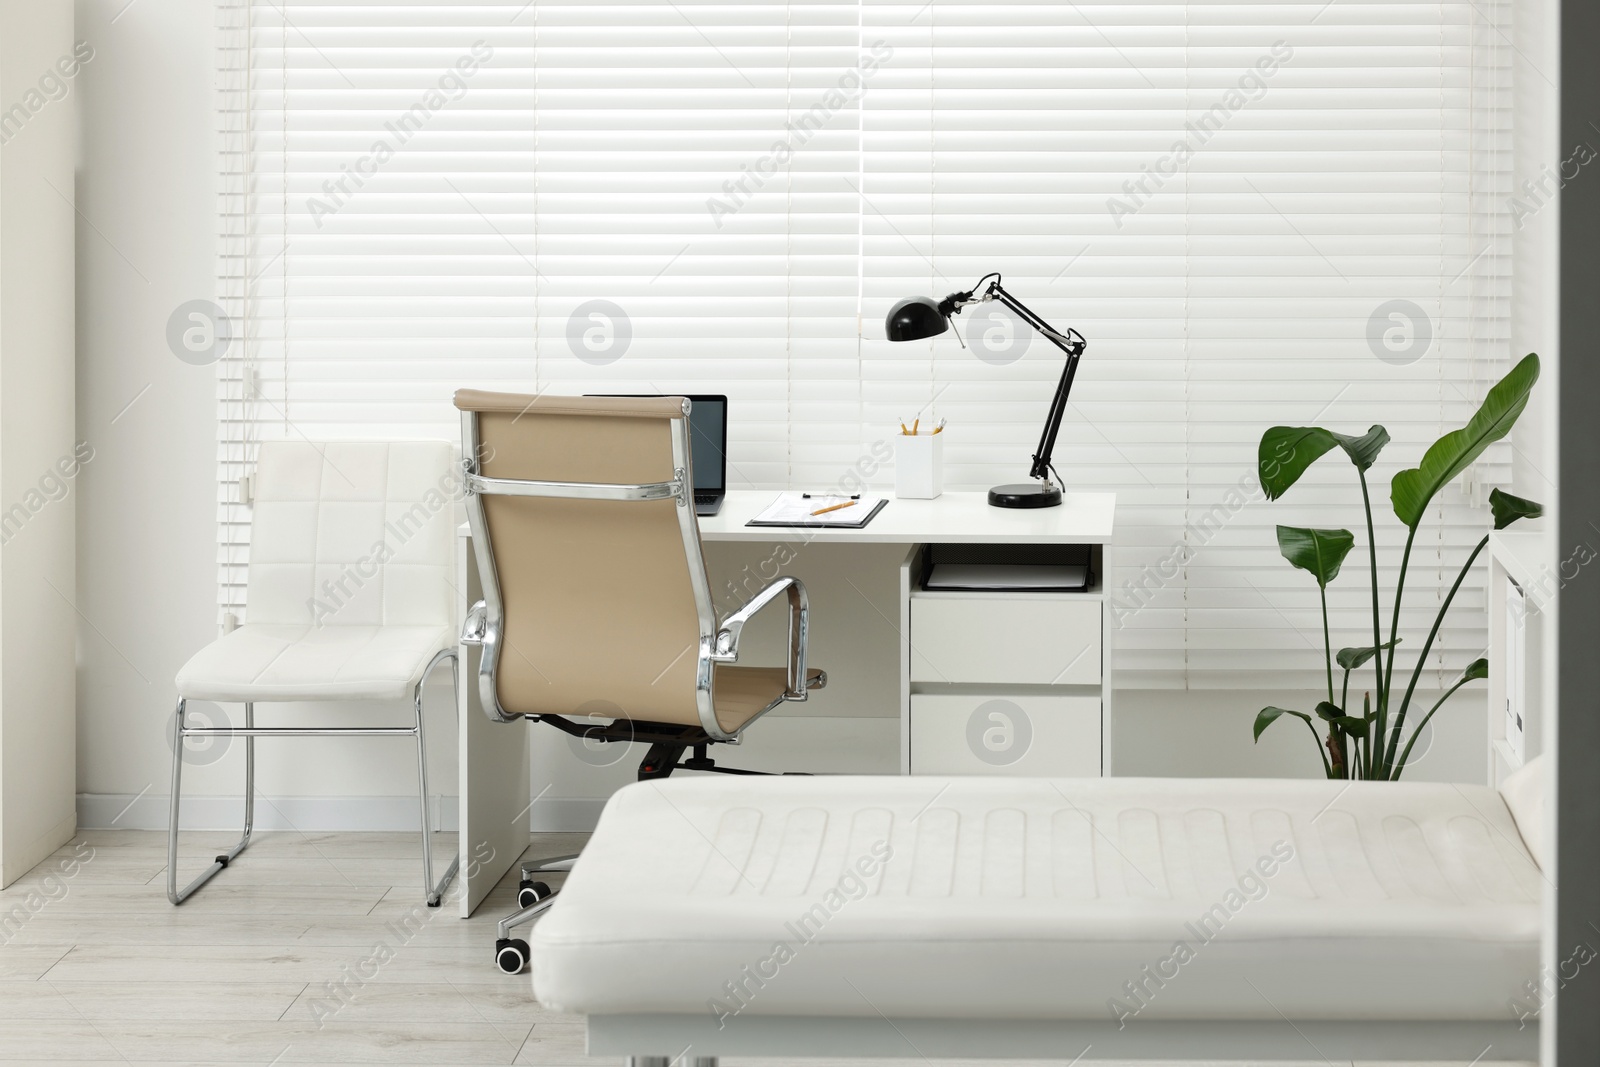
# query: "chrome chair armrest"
{"type": "Point", "coordinates": [476, 624]}
{"type": "Point", "coordinates": [475, 632]}
{"type": "Point", "coordinates": [726, 649]}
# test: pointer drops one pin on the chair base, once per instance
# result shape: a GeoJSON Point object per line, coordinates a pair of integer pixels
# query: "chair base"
{"type": "Point", "coordinates": [662, 760]}
{"type": "Point", "coordinates": [668, 742]}
{"type": "Point", "coordinates": [535, 898]}
{"type": "Point", "coordinates": [433, 890]}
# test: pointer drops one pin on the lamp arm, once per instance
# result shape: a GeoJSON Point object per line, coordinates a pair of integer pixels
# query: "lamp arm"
{"type": "Point", "coordinates": [1073, 344]}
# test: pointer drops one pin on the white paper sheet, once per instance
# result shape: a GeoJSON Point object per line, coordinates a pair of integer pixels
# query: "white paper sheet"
{"type": "Point", "coordinates": [795, 509]}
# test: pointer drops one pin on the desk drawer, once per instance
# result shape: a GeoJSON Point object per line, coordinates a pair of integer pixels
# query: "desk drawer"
{"type": "Point", "coordinates": [1020, 638]}
{"type": "Point", "coordinates": [1043, 736]}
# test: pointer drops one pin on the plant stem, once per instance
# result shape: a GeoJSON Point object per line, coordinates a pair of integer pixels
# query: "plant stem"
{"type": "Point", "coordinates": [1377, 624]}
{"type": "Point", "coordinates": [1388, 674]}
{"type": "Point", "coordinates": [1327, 647]}
{"type": "Point", "coordinates": [1358, 766]}
{"type": "Point", "coordinates": [1327, 641]}
{"type": "Point", "coordinates": [1322, 750]}
{"type": "Point", "coordinates": [1401, 765]}
{"type": "Point", "coordinates": [1416, 673]}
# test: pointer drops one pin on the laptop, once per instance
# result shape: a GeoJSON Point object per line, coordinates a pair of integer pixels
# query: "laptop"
{"type": "Point", "coordinates": [708, 447]}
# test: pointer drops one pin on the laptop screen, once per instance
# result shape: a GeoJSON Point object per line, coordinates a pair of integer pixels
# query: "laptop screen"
{"type": "Point", "coordinates": [707, 432]}
{"type": "Point", "coordinates": [708, 435]}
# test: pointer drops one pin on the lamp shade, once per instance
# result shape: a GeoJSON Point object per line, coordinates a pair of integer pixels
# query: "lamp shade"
{"type": "Point", "coordinates": [914, 318]}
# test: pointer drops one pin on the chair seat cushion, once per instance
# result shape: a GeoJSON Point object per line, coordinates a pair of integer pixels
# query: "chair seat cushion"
{"type": "Point", "coordinates": [1033, 898]}
{"type": "Point", "coordinates": [742, 693]}
{"type": "Point", "coordinates": [264, 662]}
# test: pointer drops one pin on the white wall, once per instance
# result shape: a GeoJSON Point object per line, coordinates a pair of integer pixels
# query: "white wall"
{"type": "Point", "coordinates": [145, 517]}
{"type": "Point", "coordinates": [36, 564]}
{"type": "Point", "coordinates": [147, 557]}
{"type": "Point", "coordinates": [147, 503]}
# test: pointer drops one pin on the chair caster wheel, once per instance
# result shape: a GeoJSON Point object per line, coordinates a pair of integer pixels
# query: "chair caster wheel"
{"type": "Point", "coordinates": [530, 893]}
{"type": "Point", "coordinates": [511, 955]}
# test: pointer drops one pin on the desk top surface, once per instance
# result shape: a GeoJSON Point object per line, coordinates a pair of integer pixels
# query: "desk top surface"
{"type": "Point", "coordinates": [1082, 518]}
{"type": "Point", "coordinates": [955, 518]}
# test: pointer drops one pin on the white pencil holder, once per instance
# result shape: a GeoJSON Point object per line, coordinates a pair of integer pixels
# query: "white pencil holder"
{"type": "Point", "coordinates": [919, 466]}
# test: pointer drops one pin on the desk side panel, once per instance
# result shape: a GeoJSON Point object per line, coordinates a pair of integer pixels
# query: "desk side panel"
{"type": "Point", "coordinates": [494, 769]}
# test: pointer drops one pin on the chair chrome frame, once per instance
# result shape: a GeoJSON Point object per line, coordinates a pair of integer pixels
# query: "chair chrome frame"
{"type": "Point", "coordinates": [181, 731]}
{"type": "Point", "coordinates": [718, 643]}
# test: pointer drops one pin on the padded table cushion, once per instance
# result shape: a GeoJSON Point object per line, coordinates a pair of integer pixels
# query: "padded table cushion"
{"type": "Point", "coordinates": [1032, 898]}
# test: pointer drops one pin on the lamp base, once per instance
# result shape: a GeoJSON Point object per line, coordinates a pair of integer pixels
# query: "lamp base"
{"type": "Point", "coordinates": [1025, 495]}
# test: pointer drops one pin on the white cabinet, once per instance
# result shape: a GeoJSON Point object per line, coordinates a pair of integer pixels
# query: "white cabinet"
{"type": "Point", "coordinates": [1522, 584]}
{"type": "Point", "coordinates": [1004, 682]}
{"type": "Point", "coordinates": [1003, 732]}
{"type": "Point", "coordinates": [38, 621]}
{"type": "Point", "coordinates": [1017, 638]}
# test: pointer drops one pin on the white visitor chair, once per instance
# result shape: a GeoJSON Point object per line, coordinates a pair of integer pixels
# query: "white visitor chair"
{"type": "Point", "coordinates": [349, 598]}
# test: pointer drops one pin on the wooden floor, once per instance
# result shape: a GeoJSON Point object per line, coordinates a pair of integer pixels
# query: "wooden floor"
{"type": "Point", "coordinates": [313, 948]}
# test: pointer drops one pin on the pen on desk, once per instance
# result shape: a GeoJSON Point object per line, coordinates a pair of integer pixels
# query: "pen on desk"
{"type": "Point", "coordinates": [835, 507]}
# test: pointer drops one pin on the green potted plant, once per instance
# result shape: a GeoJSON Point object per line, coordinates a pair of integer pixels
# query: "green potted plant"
{"type": "Point", "coordinates": [1369, 745]}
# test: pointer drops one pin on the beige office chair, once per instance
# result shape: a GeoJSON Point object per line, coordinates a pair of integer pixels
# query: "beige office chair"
{"type": "Point", "coordinates": [596, 601]}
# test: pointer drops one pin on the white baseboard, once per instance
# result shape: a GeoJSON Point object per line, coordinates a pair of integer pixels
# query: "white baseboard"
{"type": "Point", "coordinates": [124, 811]}
{"type": "Point", "coordinates": [785, 742]}
{"type": "Point", "coordinates": [566, 815]}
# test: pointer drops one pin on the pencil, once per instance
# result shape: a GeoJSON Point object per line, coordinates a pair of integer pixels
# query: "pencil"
{"type": "Point", "coordinates": [835, 507]}
{"type": "Point", "coordinates": [914, 424]}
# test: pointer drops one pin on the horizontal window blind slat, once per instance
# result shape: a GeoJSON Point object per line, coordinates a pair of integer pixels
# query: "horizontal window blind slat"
{"type": "Point", "coordinates": [749, 186]}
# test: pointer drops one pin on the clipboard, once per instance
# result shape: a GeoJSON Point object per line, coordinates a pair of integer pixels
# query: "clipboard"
{"type": "Point", "coordinates": [794, 510]}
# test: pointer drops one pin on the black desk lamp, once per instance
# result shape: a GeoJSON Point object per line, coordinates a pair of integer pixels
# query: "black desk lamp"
{"type": "Point", "coordinates": [917, 317]}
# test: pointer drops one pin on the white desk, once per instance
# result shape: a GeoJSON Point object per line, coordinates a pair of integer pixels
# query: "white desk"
{"type": "Point", "coordinates": [991, 683]}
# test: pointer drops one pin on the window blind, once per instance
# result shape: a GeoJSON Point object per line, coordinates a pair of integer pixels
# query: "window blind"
{"type": "Point", "coordinates": [1257, 213]}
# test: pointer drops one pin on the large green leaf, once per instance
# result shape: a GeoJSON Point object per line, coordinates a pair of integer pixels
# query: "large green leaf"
{"type": "Point", "coordinates": [1333, 713]}
{"type": "Point", "coordinates": [1413, 489]}
{"type": "Point", "coordinates": [1286, 451]}
{"type": "Point", "coordinates": [1352, 658]}
{"type": "Point", "coordinates": [1317, 551]}
{"type": "Point", "coordinates": [1268, 716]}
{"type": "Point", "coordinates": [1508, 509]}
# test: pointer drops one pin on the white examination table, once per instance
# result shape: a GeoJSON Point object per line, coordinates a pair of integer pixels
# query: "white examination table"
{"type": "Point", "coordinates": [1029, 918]}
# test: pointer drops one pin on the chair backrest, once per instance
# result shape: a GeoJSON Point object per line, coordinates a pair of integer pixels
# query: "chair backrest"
{"type": "Point", "coordinates": [353, 533]}
{"type": "Point", "coordinates": [600, 606]}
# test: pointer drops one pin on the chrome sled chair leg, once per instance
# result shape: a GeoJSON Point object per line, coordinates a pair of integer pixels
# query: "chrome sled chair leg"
{"type": "Point", "coordinates": [433, 892]}
{"type": "Point", "coordinates": [179, 734]}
